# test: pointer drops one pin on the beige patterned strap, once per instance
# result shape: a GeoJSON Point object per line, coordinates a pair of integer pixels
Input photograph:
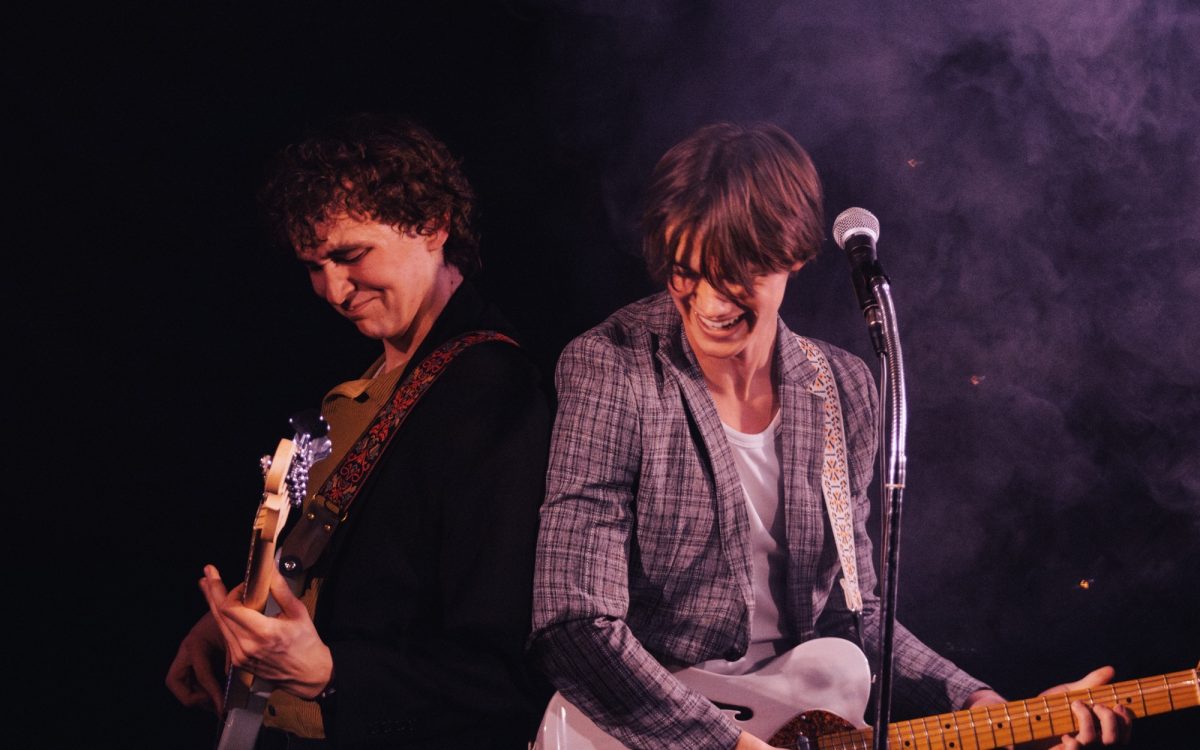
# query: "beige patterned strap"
{"type": "Point", "coordinates": [835, 476]}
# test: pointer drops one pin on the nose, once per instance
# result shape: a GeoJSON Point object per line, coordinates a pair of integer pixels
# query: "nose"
{"type": "Point", "coordinates": [709, 301]}
{"type": "Point", "coordinates": [332, 282]}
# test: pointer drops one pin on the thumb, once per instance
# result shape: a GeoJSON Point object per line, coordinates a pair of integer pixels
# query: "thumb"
{"type": "Point", "coordinates": [1100, 676]}
{"type": "Point", "coordinates": [289, 605]}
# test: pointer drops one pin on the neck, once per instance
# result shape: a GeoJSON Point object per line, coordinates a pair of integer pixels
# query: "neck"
{"type": "Point", "coordinates": [399, 350]}
{"type": "Point", "coordinates": [743, 387]}
{"type": "Point", "coordinates": [741, 375]}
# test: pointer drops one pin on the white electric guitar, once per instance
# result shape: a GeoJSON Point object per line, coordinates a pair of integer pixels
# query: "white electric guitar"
{"type": "Point", "coordinates": [814, 697]}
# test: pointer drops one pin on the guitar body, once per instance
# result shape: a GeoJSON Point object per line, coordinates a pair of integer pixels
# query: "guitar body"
{"type": "Point", "coordinates": [819, 677]}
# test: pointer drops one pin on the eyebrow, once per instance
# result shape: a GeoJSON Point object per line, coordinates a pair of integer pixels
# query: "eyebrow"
{"type": "Point", "coordinates": [347, 247]}
{"type": "Point", "coordinates": [342, 249]}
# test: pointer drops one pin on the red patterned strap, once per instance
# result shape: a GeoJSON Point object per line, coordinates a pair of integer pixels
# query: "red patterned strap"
{"type": "Point", "coordinates": [329, 505]}
{"type": "Point", "coordinates": [835, 475]}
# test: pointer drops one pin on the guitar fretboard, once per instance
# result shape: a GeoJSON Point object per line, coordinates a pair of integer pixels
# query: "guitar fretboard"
{"type": "Point", "coordinates": [987, 727]}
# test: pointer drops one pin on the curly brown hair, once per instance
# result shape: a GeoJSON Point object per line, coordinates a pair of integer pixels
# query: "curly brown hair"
{"type": "Point", "coordinates": [373, 167]}
{"type": "Point", "coordinates": [749, 195]}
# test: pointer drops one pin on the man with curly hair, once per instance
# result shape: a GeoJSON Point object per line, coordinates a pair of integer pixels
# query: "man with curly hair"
{"type": "Point", "coordinates": [424, 588]}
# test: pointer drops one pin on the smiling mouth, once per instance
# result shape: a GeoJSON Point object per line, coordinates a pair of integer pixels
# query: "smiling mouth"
{"type": "Point", "coordinates": [355, 308]}
{"type": "Point", "coordinates": [722, 324]}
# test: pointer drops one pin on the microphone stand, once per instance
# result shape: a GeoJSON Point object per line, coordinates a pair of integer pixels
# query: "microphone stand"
{"type": "Point", "coordinates": [893, 427]}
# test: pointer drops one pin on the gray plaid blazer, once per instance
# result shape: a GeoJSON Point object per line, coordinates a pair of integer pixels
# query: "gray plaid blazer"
{"type": "Point", "coordinates": [644, 548]}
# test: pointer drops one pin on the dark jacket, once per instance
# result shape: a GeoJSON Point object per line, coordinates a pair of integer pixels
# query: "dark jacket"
{"type": "Point", "coordinates": [426, 597]}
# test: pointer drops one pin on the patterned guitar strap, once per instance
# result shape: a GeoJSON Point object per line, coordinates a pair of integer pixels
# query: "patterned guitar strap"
{"type": "Point", "coordinates": [329, 505]}
{"type": "Point", "coordinates": [835, 476]}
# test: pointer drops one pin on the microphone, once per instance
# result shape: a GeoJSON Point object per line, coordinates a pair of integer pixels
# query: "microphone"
{"type": "Point", "coordinates": [856, 230]}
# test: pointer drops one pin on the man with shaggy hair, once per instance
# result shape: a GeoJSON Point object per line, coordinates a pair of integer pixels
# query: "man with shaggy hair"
{"type": "Point", "coordinates": [424, 587]}
{"type": "Point", "coordinates": [706, 496]}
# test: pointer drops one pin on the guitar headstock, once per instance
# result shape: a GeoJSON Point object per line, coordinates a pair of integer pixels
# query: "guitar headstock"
{"type": "Point", "coordinates": [312, 445]}
{"type": "Point", "coordinates": [285, 482]}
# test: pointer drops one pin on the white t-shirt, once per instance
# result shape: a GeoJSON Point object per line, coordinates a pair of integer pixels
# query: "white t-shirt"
{"type": "Point", "coordinates": [757, 458]}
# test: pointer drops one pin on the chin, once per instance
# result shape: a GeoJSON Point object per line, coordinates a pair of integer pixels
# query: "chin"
{"type": "Point", "coordinates": [726, 351]}
{"type": "Point", "coordinates": [369, 330]}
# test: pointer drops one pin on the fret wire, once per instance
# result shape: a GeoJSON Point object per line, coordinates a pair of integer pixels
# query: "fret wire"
{"type": "Point", "coordinates": [1156, 695]}
{"type": "Point", "coordinates": [1066, 714]}
{"type": "Point", "coordinates": [1028, 719]}
{"type": "Point", "coordinates": [991, 727]}
{"type": "Point", "coordinates": [1125, 692]}
{"type": "Point", "coordinates": [1167, 686]}
{"type": "Point", "coordinates": [928, 737]}
{"type": "Point", "coordinates": [912, 735]}
{"type": "Point", "coordinates": [970, 717]}
{"type": "Point", "coordinates": [1044, 714]}
{"type": "Point", "coordinates": [1008, 725]}
{"type": "Point", "coordinates": [957, 742]}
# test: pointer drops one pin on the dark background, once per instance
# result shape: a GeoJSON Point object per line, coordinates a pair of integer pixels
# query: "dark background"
{"type": "Point", "coordinates": [1035, 169]}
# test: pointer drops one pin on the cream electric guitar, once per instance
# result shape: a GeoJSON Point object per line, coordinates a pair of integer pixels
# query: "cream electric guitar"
{"type": "Point", "coordinates": [285, 481]}
{"type": "Point", "coordinates": [799, 699]}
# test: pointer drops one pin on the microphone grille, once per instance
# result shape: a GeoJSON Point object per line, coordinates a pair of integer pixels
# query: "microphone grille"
{"type": "Point", "coordinates": [854, 221]}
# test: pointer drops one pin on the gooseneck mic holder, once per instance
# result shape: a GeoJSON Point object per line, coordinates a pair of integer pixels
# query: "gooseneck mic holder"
{"type": "Point", "coordinates": [856, 230]}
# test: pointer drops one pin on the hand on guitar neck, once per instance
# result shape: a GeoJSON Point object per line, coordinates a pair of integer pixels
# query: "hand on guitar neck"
{"type": "Point", "coordinates": [284, 649]}
{"type": "Point", "coordinates": [1097, 723]}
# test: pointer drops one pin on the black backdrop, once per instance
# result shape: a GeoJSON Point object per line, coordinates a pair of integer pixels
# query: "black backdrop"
{"type": "Point", "coordinates": [1035, 171]}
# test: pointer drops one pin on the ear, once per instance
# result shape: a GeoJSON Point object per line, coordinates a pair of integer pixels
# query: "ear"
{"type": "Point", "coordinates": [436, 236]}
{"type": "Point", "coordinates": [435, 241]}
{"type": "Point", "coordinates": [796, 267]}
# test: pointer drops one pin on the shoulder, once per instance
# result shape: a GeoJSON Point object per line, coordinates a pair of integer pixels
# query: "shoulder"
{"type": "Point", "coordinates": [488, 358]}
{"type": "Point", "coordinates": [490, 377]}
{"type": "Point", "coordinates": [845, 365]}
{"type": "Point", "coordinates": [855, 384]}
{"type": "Point", "coordinates": [848, 369]}
{"type": "Point", "coordinates": [629, 334]}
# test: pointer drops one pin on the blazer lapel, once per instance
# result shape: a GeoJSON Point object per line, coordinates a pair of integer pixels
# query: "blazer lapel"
{"type": "Point", "coordinates": [679, 362]}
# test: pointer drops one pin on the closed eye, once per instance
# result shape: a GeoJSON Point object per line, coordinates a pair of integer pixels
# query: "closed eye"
{"type": "Point", "coordinates": [348, 256]}
{"type": "Point", "coordinates": [684, 272]}
{"type": "Point", "coordinates": [341, 256]}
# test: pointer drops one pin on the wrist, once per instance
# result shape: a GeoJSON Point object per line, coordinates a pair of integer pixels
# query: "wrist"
{"type": "Point", "coordinates": [984, 697]}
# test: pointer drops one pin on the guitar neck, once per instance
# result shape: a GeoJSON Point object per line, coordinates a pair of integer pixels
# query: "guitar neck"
{"type": "Point", "coordinates": [258, 571]}
{"type": "Point", "coordinates": [987, 727]}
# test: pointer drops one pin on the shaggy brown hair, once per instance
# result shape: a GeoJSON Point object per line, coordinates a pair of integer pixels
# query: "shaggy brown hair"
{"type": "Point", "coordinates": [373, 168]}
{"type": "Point", "coordinates": [749, 197]}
